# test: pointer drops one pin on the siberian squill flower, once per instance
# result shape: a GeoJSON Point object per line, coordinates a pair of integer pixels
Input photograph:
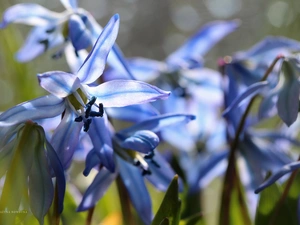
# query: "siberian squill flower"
{"type": "Point", "coordinates": [79, 100]}
{"type": "Point", "coordinates": [280, 90]}
{"type": "Point", "coordinates": [182, 73]}
{"type": "Point", "coordinates": [75, 27]}
{"type": "Point", "coordinates": [136, 159]}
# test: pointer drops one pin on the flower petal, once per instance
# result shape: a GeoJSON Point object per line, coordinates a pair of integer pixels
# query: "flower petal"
{"type": "Point", "coordinates": [205, 169]}
{"type": "Point", "coordinates": [142, 69]}
{"type": "Point", "coordinates": [29, 13]}
{"type": "Point", "coordinates": [65, 138]}
{"type": "Point", "coordinates": [138, 193]}
{"type": "Point", "coordinates": [59, 83]}
{"type": "Point", "coordinates": [277, 175]}
{"type": "Point", "coordinates": [91, 161]}
{"type": "Point", "coordinates": [288, 98]}
{"type": "Point", "coordinates": [102, 141]}
{"type": "Point", "coordinates": [74, 60]}
{"type": "Point", "coordinates": [38, 41]}
{"type": "Point", "coordinates": [44, 107]}
{"type": "Point", "coordinates": [119, 93]}
{"type": "Point", "coordinates": [248, 93]}
{"type": "Point", "coordinates": [132, 113]}
{"type": "Point", "coordinates": [143, 141]}
{"type": "Point", "coordinates": [96, 190]}
{"type": "Point", "coordinates": [190, 53]}
{"type": "Point", "coordinates": [69, 4]}
{"type": "Point", "coordinates": [80, 36]}
{"type": "Point", "coordinates": [41, 191]}
{"type": "Point", "coordinates": [156, 124]}
{"type": "Point", "coordinates": [94, 64]}
{"type": "Point", "coordinates": [59, 174]}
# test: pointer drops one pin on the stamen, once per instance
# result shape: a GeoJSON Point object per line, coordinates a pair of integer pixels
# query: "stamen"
{"type": "Point", "coordinates": [45, 42]}
{"type": "Point", "coordinates": [86, 125]}
{"type": "Point", "coordinates": [146, 172]}
{"type": "Point", "coordinates": [78, 119]}
{"type": "Point", "coordinates": [50, 30]}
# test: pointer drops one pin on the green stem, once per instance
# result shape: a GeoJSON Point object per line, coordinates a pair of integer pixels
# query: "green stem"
{"type": "Point", "coordinates": [231, 177]}
{"type": "Point", "coordinates": [284, 195]}
{"type": "Point", "coordinates": [90, 216]}
{"type": "Point", "coordinates": [127, 215]}
{"type": "Point", "coordinates": [56, 215]}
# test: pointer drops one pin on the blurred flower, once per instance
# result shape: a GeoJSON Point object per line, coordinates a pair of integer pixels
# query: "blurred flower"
{"type": "Point", "coordinates": [136, 157]}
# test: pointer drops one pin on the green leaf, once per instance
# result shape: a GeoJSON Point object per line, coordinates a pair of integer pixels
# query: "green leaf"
{"type": "Point", "coordinates": [196, 219]}
{"type": "Point", "coordinates": [267, 211]}
{"type": "Point", "coordinates": [69, 215]}
{"type": "Point", "coordinates": [41, 189]}
{"type": "Point", "coordinates": [169, 210]}
{"type": "Point", "coordinates": [233, 206]}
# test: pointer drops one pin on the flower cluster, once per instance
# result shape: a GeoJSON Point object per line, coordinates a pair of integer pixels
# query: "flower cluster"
{"type": "Point", "coordinates": [132, 120]}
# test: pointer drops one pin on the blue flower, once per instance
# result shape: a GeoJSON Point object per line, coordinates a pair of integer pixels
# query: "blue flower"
{"type": "Point", "coordinates": [136, 157]}
{"type": "Point", "coordinates": [79, 100]}
{"type": "Point", "coordinates": [52, 29]}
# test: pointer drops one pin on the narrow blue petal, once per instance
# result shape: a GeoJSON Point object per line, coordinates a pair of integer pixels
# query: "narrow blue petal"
{"type": "Point", "coordinates": [115, 57]}
{"type": "Point", "coordinates": [59, 174]}
{"type": "Point", "coordinates": [248, 93]}
{"type": "Point", "coordinates": [79, 34]}
{"type": "Point", "coordinates": [270, 44]}
{"type": "Point", "coordinates": [138, 193]}
{"type": "Point", "coordinates": [29, 13]}
{"type": "Point", "coordinates": [75, 60]}
{"type": "Point", "coordinates": [37, 42]}
{"type": "Point", "coordinates": [59, 83]}
{"type": "Point", "coordinates": [267, 107]}
{"type": "Point", "coordinates": [69, 4]}
{"type": "Point", "coordinates": [142, 69]}
{"type": "Point", "coordinates": [44, 107]}
{"type": "Point", "coordinates": [102, 141]}
{"type": "Point", "coordinates": [117, 61]}
{"type": "Point", "coordinates": [65, 137]}
{"type": "Point", "coordinates": [40, 186]}
{"type": "Point", "coordinates": [190, 53]}
{"type": "Point", "coordinates": [277, 175]}
{"type": "Point", "coordinates": [94, 64]}
{"type": "Point", "coordinates": [91, 161]}
{"type": "Point", "coordinates": [158, 123]}
{"type": "Point", "coordinates": [161, 173]}
{"type": "Point", "coordinates": [205, 169]}
{"type": "Point", "coordinates": [119, 93]}
{"type": "Point", "coordinates": [143, 141]}
{"type": "Point", "coordinates": [96, 190]}
{"type": "Point", "coordinates": [132, 113]}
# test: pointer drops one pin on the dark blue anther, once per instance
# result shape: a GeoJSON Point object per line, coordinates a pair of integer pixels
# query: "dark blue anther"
{"type": "Point", "coordinates": [92, 101]}
{"type": "Point", "coordinates": [78, 119]}
{"type": "Point", "coordinates": [146, 172]}
{"type": "Point", "coordinates": [45, 42]}
{"type": "Point", "coordinates": [136, 162]}
{"type": "Point", "coordinates": [150, 155]}
{"type": "Point", "coordinates": [101, 109]}
{"type": "Point", "coordinates": [86, 124]}
{"type": "Point", "coordinates": [50, 30]}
